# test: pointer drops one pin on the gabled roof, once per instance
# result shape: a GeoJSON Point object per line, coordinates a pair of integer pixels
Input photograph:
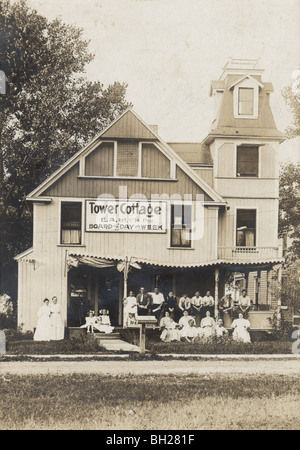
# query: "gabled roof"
{"type": "Point", "coordinates": [193, 152]}
{"type": "Point", "coordinates": [144, 132]}
{"type": "Point", "coordinates": [128, 126]}
{"type": "Point", "coordinates": [243, 78]}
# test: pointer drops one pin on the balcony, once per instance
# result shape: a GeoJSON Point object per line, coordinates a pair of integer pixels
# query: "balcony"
{"type": "Point", "coordinates": [249, 254]}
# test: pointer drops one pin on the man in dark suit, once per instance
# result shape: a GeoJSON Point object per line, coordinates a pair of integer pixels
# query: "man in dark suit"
{"type": "Point", "coordinates": [143, 301]}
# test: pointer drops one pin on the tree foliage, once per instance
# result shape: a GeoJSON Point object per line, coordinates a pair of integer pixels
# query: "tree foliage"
{"type": "Point", "coordinates": [289, 206]}
{"type": "Point", "coordinates": [49, 112]}
{"type": "Point", "coordinates": [291, 95]}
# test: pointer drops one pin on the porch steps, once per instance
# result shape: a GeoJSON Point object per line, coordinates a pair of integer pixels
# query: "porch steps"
{"type": "Point", "coordinates": [113, 342]}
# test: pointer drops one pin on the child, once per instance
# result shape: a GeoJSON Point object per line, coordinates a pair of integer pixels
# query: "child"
{"type": "Point", "coordinates": [90, 322]}
{"type": "Point", "coordinates": [103, 323]}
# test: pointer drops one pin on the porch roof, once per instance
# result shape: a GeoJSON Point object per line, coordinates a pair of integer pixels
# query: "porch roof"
{"type": "Point", "coordinates": [132, 260]}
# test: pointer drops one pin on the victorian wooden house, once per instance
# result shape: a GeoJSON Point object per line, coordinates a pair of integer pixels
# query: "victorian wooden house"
{"type": "Point", "coordinates": [131, 210]}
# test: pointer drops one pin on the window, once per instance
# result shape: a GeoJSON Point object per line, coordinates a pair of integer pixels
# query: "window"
{"type": "Point", "coordinates": [127, 159]}
{"type": "Point", "coordinates": [247, 161]}
{"type": "Point", "coordinates": [181, 225]}
{"type": "Point", "coordinates": [246, 101]}
{"type": "Point", "coordinates": [71, 223]}
{"type": "Point", "coordinates": [246, 228]}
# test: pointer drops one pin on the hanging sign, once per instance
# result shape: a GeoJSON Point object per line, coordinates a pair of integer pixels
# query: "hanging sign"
{"type": "Point", "coordinates": [126, 216]}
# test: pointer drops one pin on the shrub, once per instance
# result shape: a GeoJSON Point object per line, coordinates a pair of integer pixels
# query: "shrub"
{"type": "Point", "coordinates": [66, 346]}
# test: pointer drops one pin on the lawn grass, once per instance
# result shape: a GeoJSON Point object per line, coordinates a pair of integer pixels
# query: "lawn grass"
{"type": "Point", "coordinates": [150, 402]}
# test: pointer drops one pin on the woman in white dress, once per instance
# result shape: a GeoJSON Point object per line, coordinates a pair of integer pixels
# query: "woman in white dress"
{"type": "Point", "coordinates": [57, 329]}
{"type": "Point", "coordinates": [207, 326]}
{"type": "Point", "coordinates": [169, 328]}
{"type": "Point", "coordinates": [190, 332]}
{"type": "Point", "coordinates": [241, 328]}
{"type": "Point", "coordinates": [42, 332]}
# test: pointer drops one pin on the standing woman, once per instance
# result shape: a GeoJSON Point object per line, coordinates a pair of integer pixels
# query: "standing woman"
{"type": "Point", "coordinates": [57, 329]}
{"type": "Point", "coordinates": [42, 332]}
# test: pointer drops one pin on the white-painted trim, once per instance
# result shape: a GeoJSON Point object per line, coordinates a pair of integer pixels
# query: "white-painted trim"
{"type": "Point", "coordinates": [217, 233]}
{"type": "Point", "coordinates": [115, 157]}
{"type": "Point", "coordinates": [95, 177]}
{"type": "Point", "coordinates": [140, 145]}
{"type": "Point", "coordinates": [254, 80]}
{"type": "Point", "coordinates": [259, 161]}
{"type": "Point", "coordinates": [39, 199]}
{"type": "Point", "coordinates": [23, 254]}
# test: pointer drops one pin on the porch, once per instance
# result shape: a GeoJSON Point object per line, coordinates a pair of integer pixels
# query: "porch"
{"type": "Point", "coordinates": [95, 281]}
{"type": "Point", "coordinates": [249, 254]}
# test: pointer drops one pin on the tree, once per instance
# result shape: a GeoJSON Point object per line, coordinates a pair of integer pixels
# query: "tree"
{"type": "Point", "coordinates": [49, 112]}
{"type": "Point", "coordinates": [291, 95]}
{"type": "Point", "coordinates": [289, 206]}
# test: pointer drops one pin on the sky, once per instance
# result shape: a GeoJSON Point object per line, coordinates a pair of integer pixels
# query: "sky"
{"type": "Point", "coordinates": [168, 51]}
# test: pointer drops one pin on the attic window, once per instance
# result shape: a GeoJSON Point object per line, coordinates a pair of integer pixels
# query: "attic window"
{"type": "Point", "coordinates": [127, 159]}
{"type": "Point", "coordinates": [246, 101]}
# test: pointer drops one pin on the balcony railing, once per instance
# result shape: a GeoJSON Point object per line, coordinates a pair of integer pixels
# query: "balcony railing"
{"type": "Point", "coordinates": [249, 254]}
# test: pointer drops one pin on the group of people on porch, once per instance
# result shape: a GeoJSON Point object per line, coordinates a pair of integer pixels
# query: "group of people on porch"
{"type": "Point", "coordinates": [189, 318]}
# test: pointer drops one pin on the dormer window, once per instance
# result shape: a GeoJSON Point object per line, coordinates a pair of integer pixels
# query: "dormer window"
{"type": "Point", "coordinates": [245, 97]}
{"type": "Point", "coordinates": [246, 101]}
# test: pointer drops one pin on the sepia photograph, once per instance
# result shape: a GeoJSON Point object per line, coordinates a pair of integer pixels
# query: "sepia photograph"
{"type": "Point", "coordinates": [149, 217]}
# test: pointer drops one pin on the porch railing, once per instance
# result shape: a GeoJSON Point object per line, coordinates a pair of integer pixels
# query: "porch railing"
{"type": "Point", "coordinates": [244, 254]}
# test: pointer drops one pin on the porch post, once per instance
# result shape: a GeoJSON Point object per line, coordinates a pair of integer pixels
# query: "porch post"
{"type": "Point", "coordinates": [258, 287]}
{"type": "Point", "coordinates": [279, 279]}
{"type": "Point", "coordinates": [217, 272]}
{"type": "Point", "coordinates": [269, 281]}
{"type": "Point", "coordinates": [125, 277]}
{"type": "Point", "coordinates": [96, 285]}
{"type": "Point", "coordinates": [89, 289]}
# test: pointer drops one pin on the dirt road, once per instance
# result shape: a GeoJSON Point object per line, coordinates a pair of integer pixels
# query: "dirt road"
{"type": "Point", "coordinates": [282, 367]}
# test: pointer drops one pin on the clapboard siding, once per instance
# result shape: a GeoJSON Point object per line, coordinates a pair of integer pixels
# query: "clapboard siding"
{"type": "Point", "coordinates": [129, 127]}
{"type": "Point", "coordinates": [69, 185]}
{"type": "Point", "coordinates": [267, 160]}
{"type": "Point", "coordinates": [154, 163]}
{"type": "Point", "coordinates": [226, 163]}
{"type": "Point", "coordinates": [205, 174]}
{"type": "Point", "coordinates": [110, 244]}
{"type": "Point", "coordinates": [267, 217]}
{"type": "Point", "coordinates": [101, 161]}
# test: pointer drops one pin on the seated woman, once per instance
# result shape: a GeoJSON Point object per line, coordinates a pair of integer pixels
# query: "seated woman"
{"type": "Point", "coordinates": [241, 329]}
{"type": "Point", "coordinates": [90, 322]}
{"type": "Point", "coordinates": [184, 320]}
{"type": "Point", "coordinates": [170, 330]}
{"type": "Point", "coordinates": [189, 332]}
{"type": "Point", "coordinates": [164, 320]}
{"type": "Point", "coordinates": [207, 325]}
{"type": "Point", "coordinates": [103, 322]}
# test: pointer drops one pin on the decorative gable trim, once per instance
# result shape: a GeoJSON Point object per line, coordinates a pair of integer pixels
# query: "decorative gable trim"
{"type": "Point", "coordinates": [160, 144]}
{"type": "Point", "coordinates": [243, 78]}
